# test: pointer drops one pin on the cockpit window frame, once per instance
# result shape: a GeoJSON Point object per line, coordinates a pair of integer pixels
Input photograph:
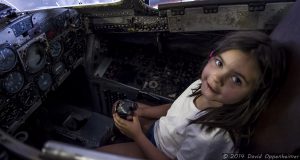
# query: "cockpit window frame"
{"type": "Point", "coordinates": [33, 5]}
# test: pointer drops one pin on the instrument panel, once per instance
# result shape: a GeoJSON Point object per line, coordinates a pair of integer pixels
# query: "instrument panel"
{"type": "Point", "coordinates": [38, 51]}
{"type": "Point", "coordinates": [191, 16]}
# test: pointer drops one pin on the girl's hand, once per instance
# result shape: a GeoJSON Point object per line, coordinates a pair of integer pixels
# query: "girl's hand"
{"type": "Point", "coordinates": [131, 129]}
{"type": "Point", "coordinates": [139, 111]}
{"type": "Point", "coordinates": [113, 108]}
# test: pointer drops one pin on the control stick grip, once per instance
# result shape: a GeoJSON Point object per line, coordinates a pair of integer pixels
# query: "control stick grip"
{"type": "Point", "coordinates": [125, 108]}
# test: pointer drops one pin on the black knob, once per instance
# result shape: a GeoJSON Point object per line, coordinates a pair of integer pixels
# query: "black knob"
{"type": "Point", "coordinates": [125, 108]}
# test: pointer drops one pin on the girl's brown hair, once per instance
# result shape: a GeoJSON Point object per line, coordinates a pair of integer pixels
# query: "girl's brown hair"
{"type": "Point", "coordinates": [239, 118]}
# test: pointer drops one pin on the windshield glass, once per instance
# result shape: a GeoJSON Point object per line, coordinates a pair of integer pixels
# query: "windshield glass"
{"type": "Point", "coordinates": [155, 3]}
{"type": "Point", "coordinates": [29, 5]}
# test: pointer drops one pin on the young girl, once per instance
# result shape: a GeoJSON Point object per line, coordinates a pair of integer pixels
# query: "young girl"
{"type": "Point", "coordinates": [214, 113]}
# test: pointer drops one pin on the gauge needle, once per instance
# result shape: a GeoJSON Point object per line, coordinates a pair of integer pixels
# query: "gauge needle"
{"type": "Point", "coordinates": [27, 100]}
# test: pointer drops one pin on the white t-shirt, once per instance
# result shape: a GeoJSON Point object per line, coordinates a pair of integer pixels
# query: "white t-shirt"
{"type": "Point", "coordinates": [178, 139]}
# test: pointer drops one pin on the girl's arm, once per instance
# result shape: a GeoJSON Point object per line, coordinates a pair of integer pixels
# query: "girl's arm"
{"type": "Point", "coordinates": [133, 130]}
{"type": "Point", "coordinates": [153, 112]}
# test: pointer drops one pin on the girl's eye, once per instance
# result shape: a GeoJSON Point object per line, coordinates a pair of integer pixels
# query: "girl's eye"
{"type": "Point", "coordinates": [236, 80]}
{"type": "Point", "coordinates": [218, 63]}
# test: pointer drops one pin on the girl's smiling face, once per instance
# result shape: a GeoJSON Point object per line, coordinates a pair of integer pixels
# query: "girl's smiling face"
{"type": "Point", "coordinates": [230, 77]}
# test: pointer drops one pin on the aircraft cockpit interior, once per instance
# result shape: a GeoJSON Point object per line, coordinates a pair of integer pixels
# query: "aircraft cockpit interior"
{"type": "Point", "coordinates": [63, 64]}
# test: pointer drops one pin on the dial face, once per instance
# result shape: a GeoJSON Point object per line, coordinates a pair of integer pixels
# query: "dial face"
{"type": "Point", "coordinates": [44, 81]}
{"type": "Point", "coordinates": [55, 49]}
{"type": "Point", "coordinates": [28, 97]}
{"type": "Point", "coordinates": [13, 82]}
{"type": "Point", "coordinates": [36, 58]}
{"type": "Point", "coordinates": [7, 59]}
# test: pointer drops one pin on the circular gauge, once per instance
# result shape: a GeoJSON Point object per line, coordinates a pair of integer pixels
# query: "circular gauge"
{"type": "Point", "coordinates": [13, 82]}
{"type": "Point", "coordinates": [28, 96]}
{"type": "Point", "coordinates": [7, 59]}
{"type": "Point", "coordinates": [44, 81]}
{"type": "Point", "coordinates": [55, 49]}
{"type": "Point", "coordinates": [36, 58]}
